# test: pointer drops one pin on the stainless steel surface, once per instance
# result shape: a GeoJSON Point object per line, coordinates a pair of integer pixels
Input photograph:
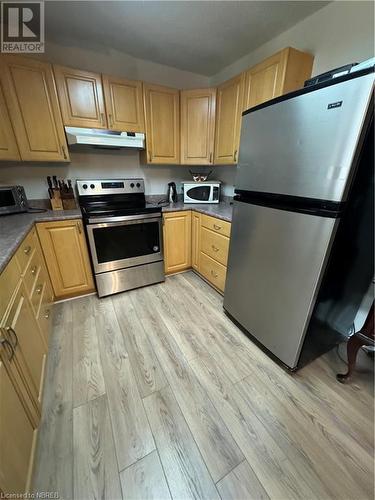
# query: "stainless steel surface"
{"type": "Point", "coordinates": [127, 279]}
{"type": "Point", "coordinates": [275, 264]}
{"type": "Point", "coordinates": [301, 147]}
{"type": "Point", "coordinates": [124, 263]}
{"type": "Point", "coordinates": [94, 186]}
{"type": "Point", "coordinates": [124, 218]}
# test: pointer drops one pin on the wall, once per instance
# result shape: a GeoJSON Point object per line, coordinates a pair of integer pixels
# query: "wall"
{"type": "Point", "coordinates": [105, 163]}
{"type": "Point", "coordinates": [340, 33]}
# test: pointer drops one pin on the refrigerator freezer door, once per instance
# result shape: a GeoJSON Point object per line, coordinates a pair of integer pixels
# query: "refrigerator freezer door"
{"type": "Point", "coordinates": [275, 264]}
{"type": "Point", "coordinates": [305, 146]}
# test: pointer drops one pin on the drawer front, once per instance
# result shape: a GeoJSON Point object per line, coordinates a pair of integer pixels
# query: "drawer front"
{"type": "Point", "coordinates": [214, 272]}
{"type": "Point", "coordinates": [216, 225]}
{"type": "Point", "coordinates": [44, 317]}
{"type": "Point", "coordinates": [32, 272]}
{"type": "Point", "coordinates": [38, 291]}
{"type": "Point", "coordinates": [26, 250]}
{"type": "Point", "coordinates": [9, 279]}
{"type": "Point", "coordinates": [215, 245]}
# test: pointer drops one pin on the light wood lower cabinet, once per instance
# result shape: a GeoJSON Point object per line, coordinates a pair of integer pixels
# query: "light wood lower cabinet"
{"type": "Point", "coordinates": [195, 239]}
{"type": "Point", "coordinates": [65, 251]}
{"type": "Point", "coordinates": [177, 241]}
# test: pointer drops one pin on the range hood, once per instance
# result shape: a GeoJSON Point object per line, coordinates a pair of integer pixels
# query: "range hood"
{"type": "Point", "coordinates": [104, 138]}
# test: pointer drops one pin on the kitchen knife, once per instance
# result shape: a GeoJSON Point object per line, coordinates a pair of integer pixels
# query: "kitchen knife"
{"type": "Point", "coordinates": [50, 190]}
{"type": "Point", "coordinates": [55, 185]}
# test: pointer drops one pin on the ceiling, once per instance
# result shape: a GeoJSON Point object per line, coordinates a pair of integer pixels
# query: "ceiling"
{"type": "Point", "coordinates": [198, 36]}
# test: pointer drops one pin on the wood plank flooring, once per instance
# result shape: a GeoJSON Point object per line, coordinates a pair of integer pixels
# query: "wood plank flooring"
{"type": "Point", "coordinates": [156, 394]}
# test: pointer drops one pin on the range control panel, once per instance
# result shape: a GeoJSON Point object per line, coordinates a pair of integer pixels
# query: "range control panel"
{"type": "Point", "coordinates": [89, 187]}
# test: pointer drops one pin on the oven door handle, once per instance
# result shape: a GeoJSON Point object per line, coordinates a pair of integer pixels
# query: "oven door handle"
{"type": "Point", "coordinates": [125, 221]}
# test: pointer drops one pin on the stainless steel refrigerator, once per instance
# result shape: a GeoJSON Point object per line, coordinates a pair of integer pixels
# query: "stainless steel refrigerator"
{"type": "Point", "coordinates": [301, 247]}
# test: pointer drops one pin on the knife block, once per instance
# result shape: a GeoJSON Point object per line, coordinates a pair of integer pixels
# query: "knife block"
{"type": "Point", "coordinates": [68, 200]}
{"type": "Point", "coordinates": [56, 201]}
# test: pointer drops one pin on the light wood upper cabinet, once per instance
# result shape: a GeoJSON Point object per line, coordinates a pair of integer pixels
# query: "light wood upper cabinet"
{"type": "Point", "coordinates": [281, 73]}
{"type": "Point", "coordinates": [124, 104]}
{"type": "Point", "coordinates": [8, 143]}
{"type": "Point", "coordinates": [32, 102]}
{"type": "Point", "coordinates": [228, 120]}
{"type": "Point", "coordinates": [65, 251]}
{"type": "Point", "coordinates": [81, 97]}
{"type": "Point", "coordinates": [162, 124]}
{"type": "Point", "coordinates": [197, 126]}
{"type": "Point", "coordinates": [177, 241]}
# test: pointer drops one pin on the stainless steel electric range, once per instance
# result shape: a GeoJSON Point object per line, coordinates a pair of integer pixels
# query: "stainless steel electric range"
{"type": "Point", "coordinates": [124, 234]}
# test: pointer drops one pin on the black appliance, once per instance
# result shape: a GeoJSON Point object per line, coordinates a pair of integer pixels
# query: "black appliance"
{"type": "Point", "coordinates": [172, 192]}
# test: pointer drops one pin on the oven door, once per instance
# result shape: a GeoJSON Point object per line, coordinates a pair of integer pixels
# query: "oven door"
{"type": "Point", "coordinates": [125, 243]}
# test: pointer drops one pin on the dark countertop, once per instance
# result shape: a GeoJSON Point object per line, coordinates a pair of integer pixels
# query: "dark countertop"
{"type": "Point", "coordinates": [220, 210]}
{"type": "Point", "coordinates": [14, 228]}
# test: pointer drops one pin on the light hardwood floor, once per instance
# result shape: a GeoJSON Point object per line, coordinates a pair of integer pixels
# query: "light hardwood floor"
{"type": "Point", "coordinates": [156, 394]}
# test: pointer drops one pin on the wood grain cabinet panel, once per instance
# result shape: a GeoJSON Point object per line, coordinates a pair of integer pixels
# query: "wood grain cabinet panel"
{"type": "Point", "coordinates": [31, 98]}
{"type": "Point", "coordinates": [213, 271]}
{"type": "Point", "coordinates": [17, 438]}
{"type": "Point", "coordinates": [229, 104]}
{"type": "Point", "coordinates": [283, 72]}
{"type": "Point", "coordinates": [215, 245]}
{"type": "Point", "coordinates": [8, 143]}
{"type": "Point", "coordinates": [195, 239]}
{"type": "Point", "coordinates": [65, 251]}
{"type": "Point", "coordinates": [81, 97]}
{"type": "Point", "coordinates": [162, 124]}
{"type": "Point", "coordinates": [124, 104]}
{"type": "Point", "coordinates": [177, 241]}
{"type": "Point", "coordinates": [197, 126]}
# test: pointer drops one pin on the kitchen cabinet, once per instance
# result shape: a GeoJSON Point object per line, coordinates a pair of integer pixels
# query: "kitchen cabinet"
{"type": "Point", "coordinates": [281, 73]}
{"type": "Point", "coordinates": [195, 239]}
{"type": "Point", "coordinates": [17, 437]}
{"type": "Point", "coordinates": [81, 97]}
{"type": "Point", "coordinates": [124, 104]}
{"type": "Point", "coordinates": [162, 125]}
{"type": "Point", "coordinates": [197, 126]}
{"type": "Point", "coordinates": [8, 143]}
{"type": "Point", "coordinates": [177, 241]}
{"type": "Point", "coordinates": [31, 98]}
{"type": "Point", "coordinates": [66, 255]}
{"type": "Point", "coordinates": [229, 104]}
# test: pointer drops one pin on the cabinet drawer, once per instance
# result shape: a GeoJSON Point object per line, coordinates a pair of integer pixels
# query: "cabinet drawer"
{"type": "Point", "coordinates": [26, 250]}
{"type": "Point", "coordinates": [44, 317]}
{"type": "Point", "coordinates": [217, 225]}
{"type": "Point", "coordinates": [9, 279]}
{"type": "Point", "coordinates": [38, 290]}
{"type": "Point", "coordinates": [215, 245]}
{"type": "Point", "coordinates": [32, 272]}
{"type": "Point", "coordinates": [213, 271]}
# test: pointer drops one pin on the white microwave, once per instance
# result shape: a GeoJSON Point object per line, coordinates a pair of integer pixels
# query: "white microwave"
{"type": "Point", "coordinates": [202, 192]}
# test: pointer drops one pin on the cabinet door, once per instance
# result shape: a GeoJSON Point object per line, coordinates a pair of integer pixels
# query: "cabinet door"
{"type": "Point", "coordinates": [81, 97]}
{"type": "Point", "coordinates": [16, 439]}
{"type": "Point", "coordinates": [228, 120]}
{"type": "Point", "coordinates": [65, 251]}
{"type": "Point", "coordinates": [197, 126]}
{"type": "Point", "coordinates": [162, 124]}
{"type": "Point", "coordinates": [8, 143]}
{"type": "Point", "coordinates": [177, 241]}
{"type": "Point", "coordinates": [195, 239]}
{"type": "Point", "coordinates": [123, 100]}
{"type": "Point", "coordinates": [31, 98]}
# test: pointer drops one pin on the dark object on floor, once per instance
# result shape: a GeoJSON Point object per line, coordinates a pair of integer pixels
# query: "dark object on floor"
{"type": "Point", "coordinates": [365, 336]}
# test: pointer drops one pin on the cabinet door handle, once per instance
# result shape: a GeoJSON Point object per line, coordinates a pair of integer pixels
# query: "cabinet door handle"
{"type": "Point", "coordinates": [235, 156]}
{"type": "Point", "coordinates": [64, 152]}
{"type": "Point", "coordinates": [150, 156]}
{"type": "Point", "coordinates": [39, 289]}
{"type": "Point", "coordinates": [213, 273]}
{"type": "Point", "coordinates": [79, 227]}
{"type": "Point", "coordinates": [12, 333]}
{"type": "Point", "coordinates": [8, 347]}
{"type": "Point", "coordinates": [217, 227]}
{"type": "Point", "coordinates": [215, 249]}
{"type": "Point", "coordinates": [211, 157]}
{"type": "Point", "coordinates": [47, 313]}
{"type": "Point", "coordinates": [33, 270]}
{"type": "Point", "coordinates": [110, 120]}
{"type": "Point", "coordinates": [27, 250]}
{"type": "Point", "coordinates": [103, 120]}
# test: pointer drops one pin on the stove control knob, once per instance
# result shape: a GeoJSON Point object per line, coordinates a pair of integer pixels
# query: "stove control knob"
{"type": "Point", "coordinates": [92, 186]}
{"type": "Point", "coordinates": [84, 186]}
{"type": "Point", "coordinates": [138, 185]}
{"type": "Point", "coordinates": [132, 185]}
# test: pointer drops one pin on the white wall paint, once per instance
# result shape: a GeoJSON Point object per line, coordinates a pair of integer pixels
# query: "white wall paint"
{"type": "Point", "coordinates": [106, 163]}
{"type": "Point", "coordinates": [117, 63]}
{"type": "Point", "coordinates": [340, 33]}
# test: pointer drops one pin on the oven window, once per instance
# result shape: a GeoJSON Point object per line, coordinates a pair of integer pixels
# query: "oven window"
{"type": "Point", "coordinates": [126, 241]}
{"type": "Point", "coordinates": [201, 193]}
{"type": "Point", "coordinates": [7, 198]}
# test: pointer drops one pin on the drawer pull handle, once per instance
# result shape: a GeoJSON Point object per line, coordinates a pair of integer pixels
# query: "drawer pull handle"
{"type": "Point", "coordinates": [27, 250]}
{"type": "Point", "coordinates": [8, 346]}
{"type": "Point", "coordinates": [215, 275]}
{"type": "Point", "coordinates": [33, 270]}
{"type": "Point", "coordinates": [11, 332]}
{"type": "Point", "coordinates": [47, 313]}
{"type": "Point", "coordinates": [215, 249]}
{"type": "Point", "coordinates": [217, 227]}
{"type": "Point", "coordinates": [39, 289]}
